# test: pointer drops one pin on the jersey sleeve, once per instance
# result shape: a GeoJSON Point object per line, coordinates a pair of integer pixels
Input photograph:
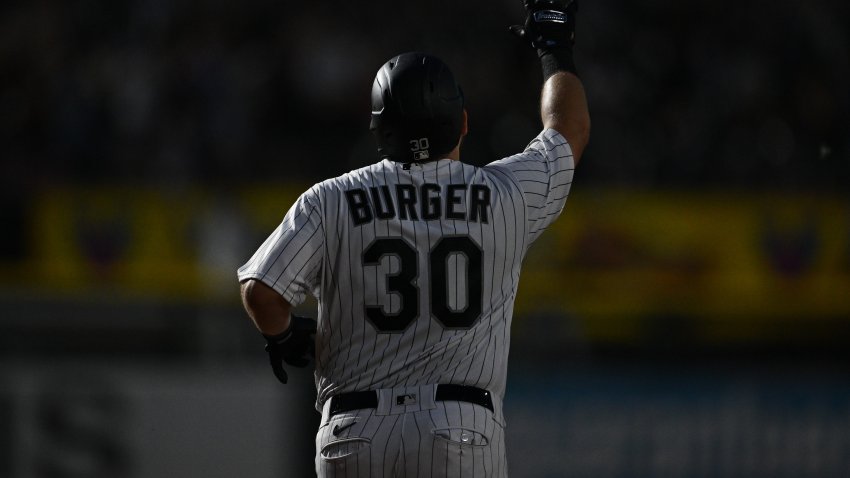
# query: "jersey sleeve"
{"type": "Point", "coordinates": [544, 174]}
{"type": "Point", "coordinates": [290, 259]}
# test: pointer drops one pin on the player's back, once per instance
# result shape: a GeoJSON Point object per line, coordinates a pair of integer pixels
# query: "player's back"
{"type": "Point", "coordinates": [419, 278]}
{"type": "Point", "coordinates": [421, 266]}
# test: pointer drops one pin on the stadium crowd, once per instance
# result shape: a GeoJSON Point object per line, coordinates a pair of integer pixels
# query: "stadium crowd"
{"type": "Point", "coordinates": [181, 91]}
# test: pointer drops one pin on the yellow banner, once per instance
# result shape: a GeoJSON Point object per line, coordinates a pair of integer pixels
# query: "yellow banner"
{"type": "Point", "coordinates": [724, 258]}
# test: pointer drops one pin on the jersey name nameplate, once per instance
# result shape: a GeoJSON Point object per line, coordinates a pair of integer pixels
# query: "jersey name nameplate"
{"type": "Point", "coordinates": [429, 202]}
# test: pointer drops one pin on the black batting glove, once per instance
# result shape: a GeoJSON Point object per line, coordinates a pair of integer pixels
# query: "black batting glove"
{"type": "Point", "coordinates": [296, 346]}
{"type": "Point", "coordinates": [548, 24]}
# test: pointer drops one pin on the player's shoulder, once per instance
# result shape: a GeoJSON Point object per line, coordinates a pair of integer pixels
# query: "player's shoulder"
{"type": "Point", "coordinates": [549, 139]}
{"type": "Point", "coordinates": [353, 178]}
{"type": "Point", "coordinates": [547, 142]}
{"type": "Point", "coordinates": [548, 146]}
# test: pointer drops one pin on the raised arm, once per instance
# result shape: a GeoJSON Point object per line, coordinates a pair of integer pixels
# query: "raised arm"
{"type": "Point", "coordinates": [550, 27]}
{"type": "Point", "coordinates": [563, 107]}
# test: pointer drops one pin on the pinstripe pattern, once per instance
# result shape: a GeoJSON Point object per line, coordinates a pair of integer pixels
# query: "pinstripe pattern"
{"type": "Point", "coordinates": [321, 244]}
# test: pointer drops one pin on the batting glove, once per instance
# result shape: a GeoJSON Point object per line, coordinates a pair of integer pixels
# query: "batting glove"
{"type": "Point", "coordinates": [296, 346]}
{"type": "Point", "coordinates": [548, 23]}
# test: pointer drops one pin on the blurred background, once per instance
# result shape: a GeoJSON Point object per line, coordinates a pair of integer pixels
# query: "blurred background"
{"type": "Point", "coordinates": [688, 316]}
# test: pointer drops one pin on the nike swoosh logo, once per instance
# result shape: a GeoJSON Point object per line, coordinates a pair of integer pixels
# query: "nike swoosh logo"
{"type": "Point", "coordinates": [337, 429]}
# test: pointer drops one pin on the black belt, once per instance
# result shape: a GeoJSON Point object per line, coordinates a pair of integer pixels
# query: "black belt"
{"type": "Point", "coordinates": [346, 402]}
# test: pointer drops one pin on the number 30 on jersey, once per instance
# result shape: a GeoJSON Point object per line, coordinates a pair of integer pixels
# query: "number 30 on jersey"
{"type": "Point", "coordinates": [404, 282]}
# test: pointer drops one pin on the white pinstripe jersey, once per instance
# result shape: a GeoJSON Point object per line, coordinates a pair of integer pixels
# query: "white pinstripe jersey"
{"type": "Point", "coordinates": [416, 268]}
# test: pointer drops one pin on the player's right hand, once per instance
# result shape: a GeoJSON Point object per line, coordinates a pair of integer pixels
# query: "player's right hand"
{"type": "Point", "coordinates": [295, 346]}
{"type": "Point", "coordinates": [548, 23]}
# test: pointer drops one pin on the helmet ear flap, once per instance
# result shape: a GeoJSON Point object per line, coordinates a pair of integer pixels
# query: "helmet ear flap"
{"type": "Point", "coordinates": [417, 108]}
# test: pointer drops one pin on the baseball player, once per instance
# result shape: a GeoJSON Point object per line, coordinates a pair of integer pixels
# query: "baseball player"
{"type": "Point", "coordinates": [415, 262]}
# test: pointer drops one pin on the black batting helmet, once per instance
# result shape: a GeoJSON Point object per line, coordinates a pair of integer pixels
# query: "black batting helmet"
{"type": "Point", "coordinates": [417, 108]}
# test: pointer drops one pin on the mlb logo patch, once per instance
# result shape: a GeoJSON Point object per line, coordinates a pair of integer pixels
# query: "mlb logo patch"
{"type": "Point", "coordinates": [409, 399]}
{"type": "Point", "coordinates": [420, 155]}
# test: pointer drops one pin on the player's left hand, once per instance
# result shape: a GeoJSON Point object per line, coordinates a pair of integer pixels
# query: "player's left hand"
{"type": "Point", "coordinates": [548, 23]}
{"type": "Point", "coordinates": [295, 346]}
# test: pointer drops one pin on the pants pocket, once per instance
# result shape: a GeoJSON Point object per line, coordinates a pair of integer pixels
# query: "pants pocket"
{"type": "Point", "coordinates": [461, 436]}
{"type": "Point", "coordinates": [460, 452]}
{"type": "Point", "coordinates": [343, 457]}
{"type": "Point", "coordinates": [341, 449]}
